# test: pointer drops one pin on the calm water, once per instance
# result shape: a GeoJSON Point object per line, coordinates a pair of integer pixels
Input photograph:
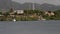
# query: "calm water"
{"type": "Point", "coordinates": [30, 27]}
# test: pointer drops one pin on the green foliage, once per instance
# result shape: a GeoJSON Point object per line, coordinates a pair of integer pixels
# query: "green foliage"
{"type": "Point", "coordinates": [57, 15]}
{"type": "Point", "coordinates": [7, 17]}
{"type": "Point", "coordinates": [0, 13]}
{"type": "Point", "coordinates": [6, 14]}
{"type": "Point", "coordinates": [57, 12]}
{"type": "Point", "coordinates": [27, 12]}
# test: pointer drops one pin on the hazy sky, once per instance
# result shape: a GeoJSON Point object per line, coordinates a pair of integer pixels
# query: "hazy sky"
{"type": "Point", "coordinates": [56, 2]}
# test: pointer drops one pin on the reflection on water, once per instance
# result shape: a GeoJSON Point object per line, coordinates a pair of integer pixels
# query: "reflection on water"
{"type": "Point", "coordinates": [30, 27]}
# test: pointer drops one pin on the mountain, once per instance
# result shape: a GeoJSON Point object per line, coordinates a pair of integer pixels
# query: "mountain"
{"type": "Point", "coordinates": [29, 6]}
{"type": "Point", "coordinates": [16, 5]}
{"type": "Point", "coordinates": [7, 4]}
{"type": "Point", "coordinates": [47, 6]}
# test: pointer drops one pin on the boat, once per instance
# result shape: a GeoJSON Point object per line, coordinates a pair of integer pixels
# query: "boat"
{"type": "Point", "coordinates": [14, 20]}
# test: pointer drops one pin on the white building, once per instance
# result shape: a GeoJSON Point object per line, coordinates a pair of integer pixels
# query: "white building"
{"type": "Point", "coordinates": [19, 11]}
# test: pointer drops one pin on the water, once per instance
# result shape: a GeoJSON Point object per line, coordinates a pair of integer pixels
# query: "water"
{"type": "Point", "coordinates": [30, 27]}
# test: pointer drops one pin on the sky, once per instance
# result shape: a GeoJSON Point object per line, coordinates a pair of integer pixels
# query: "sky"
{"type": "Point", "coordinates": [55, 2]}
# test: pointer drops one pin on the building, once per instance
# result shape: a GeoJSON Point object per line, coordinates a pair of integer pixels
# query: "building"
{"type": "Point", "coordinates": [19, 11]}
{"type": "Point", "coordinates": [41, 18]}
{"type": "Point", "coordinates": [49, 13]}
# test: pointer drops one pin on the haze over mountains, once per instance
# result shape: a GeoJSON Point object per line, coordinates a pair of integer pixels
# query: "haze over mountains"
{"type": "Point", "coordinates": [7, 4]}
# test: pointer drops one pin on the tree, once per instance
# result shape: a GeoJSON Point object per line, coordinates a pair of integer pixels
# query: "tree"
{"type": "Point", "coordinates": [11, 10]}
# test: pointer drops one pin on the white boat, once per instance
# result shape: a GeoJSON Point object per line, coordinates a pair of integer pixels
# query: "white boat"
{"type": "Point", "coordinates": [14, 20]}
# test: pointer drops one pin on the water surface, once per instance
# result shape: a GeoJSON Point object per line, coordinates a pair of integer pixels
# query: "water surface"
{"type": "Point", "coordinates": [30, 27]}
